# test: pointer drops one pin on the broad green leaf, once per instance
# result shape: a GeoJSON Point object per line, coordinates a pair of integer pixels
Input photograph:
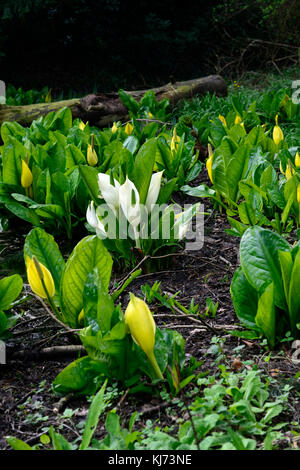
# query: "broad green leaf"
{"type": "Point", "coordinates": [97, 304]}
{"type": "Point", "coordinates": [3, 322]}
{"type": "Point", "coordinates": [82, 376]}
{"type": "Point", "coordinates": [10, 289]}
{"type": "Point", "coordinates": [294, 294]}
{"type": "Point", "coordinates": [236, 170]}
{"type": "Point", "coordinates": [74, 156]}
{"type": "Point", "coordinates": [129, 102]}
{"type": "Point", "coordinates": [12, 155]}
{"type": "Point", "coordinates": [143, 168]}
{"type": "Point", "coordinates": [23, 212]}
{"type": "Point", "coordinates": [286, 265]}
{"type": "Point", "coordinates": [89, 175]}
{"type": "Point", "coordinates": [266, 316]}
{"type": "Point", "coordinates": [244, 298]}
{"type": "Point", "coordinates": [259, 260]}
{"type": "Point", "coordinates": [88, 254]}
{"type": "Point", "coordinates": [42, 245]}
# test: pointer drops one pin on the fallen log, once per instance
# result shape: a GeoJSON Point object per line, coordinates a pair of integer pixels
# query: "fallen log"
{"type": "Point", "coordinates": [104, 108]}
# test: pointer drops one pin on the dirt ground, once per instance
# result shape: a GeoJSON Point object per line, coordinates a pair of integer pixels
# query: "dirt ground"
{"type": "Point", "coordinates": [27, 403]}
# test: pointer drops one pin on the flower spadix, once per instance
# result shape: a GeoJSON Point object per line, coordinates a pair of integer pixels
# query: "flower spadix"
{"type": "Point", "coordinates": [277, 132]}
{"type": "Point", "coordinates": [26, 175]}
{"type": "Point", "coordinates": [40, 278]}
{"type": "Point", "coordinates": [142, 328]}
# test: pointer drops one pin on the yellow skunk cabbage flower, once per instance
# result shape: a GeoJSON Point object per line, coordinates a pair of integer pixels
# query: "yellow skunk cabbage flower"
{"type": "Point", "coordinates": [26, 175]}
{"type": "Point", "coordinates": [277, 132]}
{"type": "Point", "coordinates": [40, 278]}
{"type": "Point", "coordinates": [289, 171]}
{"type": "Point", "coordinates": [128, 128]}
{"type": "Point", "coordinates": [175, 140]}
{"type": "Point", "coordinates": [114, 127]}
{"type": "Point", "coordinates": [297, 160]}
{"type": "Point", "coordinates": [81, 317]}
{"type": "Point", "coordinates": [142, 328]}
{"type": "Point", "coordinates": [82, 125]}
{"type": "Point", "coordinates": [238, 119]}
{"type": "Point", "coordinates": [209, 162]}
{"type": "Point", "coordinates": [298, 194]}
{"type": "Point", "coordinates": [223, 120]}
{"type": "Point", "coordinates": [92, 158]}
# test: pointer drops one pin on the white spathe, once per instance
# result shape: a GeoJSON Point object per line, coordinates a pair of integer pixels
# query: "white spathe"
{"type": "Point", "coordinates": [131, 211]}
{"type": "Point", "coordinates": [153, 191]}
{"type": "Point", "coordinates": [94, 221]}
{"type": "Point", "coordinates": [109, 192]}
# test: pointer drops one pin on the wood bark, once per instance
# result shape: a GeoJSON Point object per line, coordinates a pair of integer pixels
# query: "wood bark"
{"type": "Point", "coordinates": [104, 108]}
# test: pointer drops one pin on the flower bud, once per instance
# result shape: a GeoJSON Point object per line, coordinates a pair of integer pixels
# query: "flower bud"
{"type": "Point", "coordinates": [223, 120]}
{"type": "Point", "coordinates": [277, 133]}
{"type": "Point", "coordinates": [128, 128]}
{"type": "Point", "coordinates": [92, 158]}
{"type": "Point", "coordinates": [39, 278]}
{"type": "Point", "coordinates": [142, 328]}
{"type": "Point", "coordinates": [26, 175]}
{"type": "Point", "coordinates": [114, 127]}
{"type": "Point", "coordinates": [209, 162]}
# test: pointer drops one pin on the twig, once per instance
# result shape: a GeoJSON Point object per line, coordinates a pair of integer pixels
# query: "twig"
{"type": "Point", "coordinates": [48, 352]}
{"type": "Point", "coordinates": [49, 311]}
{"type": "Point", "coordinates": [62, 402]}
{"type": "Point", "coordinates": [122, 398]}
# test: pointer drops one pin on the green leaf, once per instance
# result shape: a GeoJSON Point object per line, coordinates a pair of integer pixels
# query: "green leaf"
{"type": "Point", "coordinates": [17, 444]}
{"type": "Point", "coordinates": [143, 168]}
{"type": "Point", "coordinates": [294, 294]}
{"type": "Point", "coordinates": [10, 289]}
{"type": "Point", "coordinates": [286, 265]}
{"type": "Point", "coordinates": [3, 322]}
{"type": "Point", "coordinates": [131, 104]}
{"type": "Point", "coordinates": [259, 260]}
{"type": "Point", "coordinates": [58, 441]}
{"type": "Point", "coordinates": [89, 175]}
{"type": "Point", "coordinates": [23, 212]}
{"type": "Point", "coordinates": [266, 317]}
{"type": "Point", "coordinates": [97, 304]}
{"type": "Point", "coordinates": [12, 155]}
{"type": "Point", "coordinates": [42, 245]}
{"type": "Point", "coordinates": [82, 376]}
{"type": "Point", "coordinates": [88, 254]}
{"type": "Point", "coordinates": [96, 408]}
{"type": "Point", "coordinates": [244, 298]}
